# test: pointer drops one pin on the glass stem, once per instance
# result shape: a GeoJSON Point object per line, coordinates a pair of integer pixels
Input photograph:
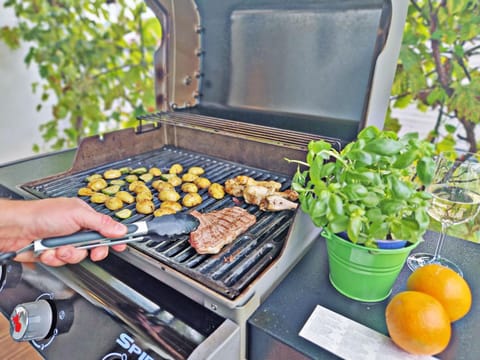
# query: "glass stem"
{"type": "Point", "coordinates": [441, 239]}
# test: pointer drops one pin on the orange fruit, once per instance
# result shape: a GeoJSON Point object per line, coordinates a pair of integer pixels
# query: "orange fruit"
{"type": "Point", "coordinates": [418, 323]}
{"type": "Point", "coordinates": [445, 285]}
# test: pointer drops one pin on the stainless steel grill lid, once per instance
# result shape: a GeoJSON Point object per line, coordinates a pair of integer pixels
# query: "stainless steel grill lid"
{"type": "Point", "coordinates": [322, 67]}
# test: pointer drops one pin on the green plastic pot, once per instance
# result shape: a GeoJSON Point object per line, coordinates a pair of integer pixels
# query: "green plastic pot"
{"type": "Point", "coordinates": [362, 273]}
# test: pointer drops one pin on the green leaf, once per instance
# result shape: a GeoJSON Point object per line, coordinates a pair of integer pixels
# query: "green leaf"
{"type": "Point", "coordinates": [354, 228]}
{"type": "Point", "coordinates": [335, 204]}
{"type": "Point", "coordinates": [384, 147]}
{"type": "Point", "coordinates": [425, 170]}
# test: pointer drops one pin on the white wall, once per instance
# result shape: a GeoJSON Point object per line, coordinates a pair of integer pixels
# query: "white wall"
{"type": "Point", "coordinates": [19, 120]}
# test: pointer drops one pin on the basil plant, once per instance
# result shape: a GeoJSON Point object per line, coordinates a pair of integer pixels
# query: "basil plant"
{"type": "Point", "coordinates": [373, 189]}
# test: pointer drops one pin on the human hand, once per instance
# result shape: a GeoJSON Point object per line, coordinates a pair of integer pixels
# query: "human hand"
{"type": "Point", "coordinates": [29, 220]}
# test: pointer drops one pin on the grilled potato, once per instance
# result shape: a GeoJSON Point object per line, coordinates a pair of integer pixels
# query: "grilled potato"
{"type": "Point", "coordinates": [191, 199]}
{"type": "Point", "coordinates": [112, 174]}
{"type": "Point", "coordinates": [176, 169]}
{"type": "Point", "coordinates": [216, 191]}
{"type": "Point", "coordinates": [97, 184]}
{"type": "Point", "coordinates": [168, 195]}
{"type": "Point", "coordinates": [189, 188]}
{"type": "Point", "coordinates": [155, 171]}
{"type": "Point", "coordinates": [202, 182]}
{"type": "Point", "coordinates": [114, 203]}
{"type": "Point", "coordinates": [171, 205]}
{"type": "Point", "coordinates": [99, 198]}
{"type": "Point", "coordinates": [145, 207]}
{"type": "Point", "coordinates": [187, 177]}
{"type": "Point", "coordinates": [196, 170]}
{"type": "Point", "coordinates": [144, 195]}
{"type": "Point", "coordinates": [138, 186]}
{"type": "Point", "coordinates": [163, 211]}
{"type": "Point", "coordinates": [159, 185]}
{"type": "Point", "coordinates": [93, 177]}
{"type": "Point", "coordinates": [174, 180]}
{"type": "Point", "coordinates": [85, 191]}
{"type": "Point", "coordinates": [125, 196]}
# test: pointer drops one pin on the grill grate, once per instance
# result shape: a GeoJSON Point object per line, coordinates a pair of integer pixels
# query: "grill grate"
{"type": "Point", "coordinates": [240, 262]}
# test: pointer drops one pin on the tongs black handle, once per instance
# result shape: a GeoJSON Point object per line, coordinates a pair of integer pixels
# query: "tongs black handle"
{"type": "Point", "coordinates": [81, 240]}
{"type": "Point", "coordinates": [165, 226]}
{"type": "Point", "coordinates": [85, 238]}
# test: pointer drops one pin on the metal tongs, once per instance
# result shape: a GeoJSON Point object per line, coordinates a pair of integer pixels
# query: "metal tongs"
{"type": "Point", "coordinates": [165, 226]}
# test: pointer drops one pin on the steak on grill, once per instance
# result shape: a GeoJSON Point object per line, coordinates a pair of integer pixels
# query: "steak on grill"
{"type": "Point", "coordinates": [219, 228]}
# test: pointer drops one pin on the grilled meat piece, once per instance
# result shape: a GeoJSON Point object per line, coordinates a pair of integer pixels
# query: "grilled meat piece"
{"type": "Point", "coordinates": [219, 228]}
{"type": "Point", "coordinates": [236, 185]}
{"type": "Point", "coordinates": [268, 199]}
{"type": "Point", "coordinates": [276, 203]}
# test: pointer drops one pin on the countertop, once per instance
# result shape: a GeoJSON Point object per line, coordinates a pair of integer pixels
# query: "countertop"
{"type": "Point", "coordinates": [274, 327]}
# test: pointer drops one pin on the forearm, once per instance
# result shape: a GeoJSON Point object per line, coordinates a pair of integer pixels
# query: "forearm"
{"type": "Point", "coordinates": [13, 230]}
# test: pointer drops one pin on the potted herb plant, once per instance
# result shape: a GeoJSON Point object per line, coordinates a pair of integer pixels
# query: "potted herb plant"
{"type": "Point", "coordinates": [369, 192]}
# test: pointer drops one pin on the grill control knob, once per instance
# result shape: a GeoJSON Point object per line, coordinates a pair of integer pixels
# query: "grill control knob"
{"type": "Point", "coordinates": [31, 321]}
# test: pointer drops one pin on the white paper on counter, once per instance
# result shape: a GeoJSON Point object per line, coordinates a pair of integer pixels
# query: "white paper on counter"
{"type": "Point", "coordinates": [350, 340]}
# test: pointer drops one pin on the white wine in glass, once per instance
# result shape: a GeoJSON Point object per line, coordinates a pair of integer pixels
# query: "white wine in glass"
{"type": "Point", "coordinates": [455, 191]}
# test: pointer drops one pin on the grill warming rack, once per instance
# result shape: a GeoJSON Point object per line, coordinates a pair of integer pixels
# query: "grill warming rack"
{"type": "Point", "coordinates": [239, 263]}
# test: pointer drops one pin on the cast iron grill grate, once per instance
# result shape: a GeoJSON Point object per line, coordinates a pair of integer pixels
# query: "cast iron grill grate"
{"type": "Point", "coordinates": [240, 262]}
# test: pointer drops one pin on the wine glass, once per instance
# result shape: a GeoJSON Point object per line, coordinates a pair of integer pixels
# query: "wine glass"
{"type": "Point", "coordinates": [455, 191]}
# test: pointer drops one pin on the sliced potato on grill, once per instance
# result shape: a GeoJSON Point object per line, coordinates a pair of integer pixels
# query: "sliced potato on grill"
{"type": "Point", "coordinates": [144, 195]}
{"type": "Point", "coordinates": [216, 191]}
{"type": "Point", "coordinates": [175, 180]}
{"type": "Point", "coordinates": [163, 211]}
{"type": "Point", "coordinates": [168, 195]}
{"type": "Point", "coordinates": [176, 206]}
{"type": "Point", "coordinates": [196, 170]}
{"type": "Point", "coordinates": [189, 188]}
{"type": "Point", "coordinates": [89, 178]}
{"type": "Point", "coordinates": [138, 186]}
{"type": "Point", "coordinates": [202, 182]}
{"type": "Point", "coordinates": [155, 171]}
{"type": "Point", "coordinates": [85, 191]}
{"type": "Point", "coordinates": [97, 184]}
{"type": "Point", "coordinates": [125, 196]}
{"type": "Point", "coordinates": [159, 185]}
{"type": "Point", "coordinates": [112, 174]}
{"type": "Point", "coordinates": [145, 207]}
{"type": "Point", "coordinates": [187, 177]}
{"type": "Point", "coordinates": [114, 203]}
{"type": "Point", "coordinates": [191, 200]}
{"type": "Point", "coordinates": [99, 198]}
{"type": "Point", "coordinates": [176, 169]}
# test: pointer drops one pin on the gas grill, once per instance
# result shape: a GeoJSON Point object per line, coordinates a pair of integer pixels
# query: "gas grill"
{"type": "Point", "coordinates": [241, 86]}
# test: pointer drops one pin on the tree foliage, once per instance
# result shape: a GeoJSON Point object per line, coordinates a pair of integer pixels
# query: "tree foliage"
{"type": "Point", "coordinates": [435, 69]}
{"type": "Point", "coordinates": [94, 59]}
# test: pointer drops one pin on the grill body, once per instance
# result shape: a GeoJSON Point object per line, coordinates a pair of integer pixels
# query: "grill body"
{"type": "Point", "coordinates": [241, 86]}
